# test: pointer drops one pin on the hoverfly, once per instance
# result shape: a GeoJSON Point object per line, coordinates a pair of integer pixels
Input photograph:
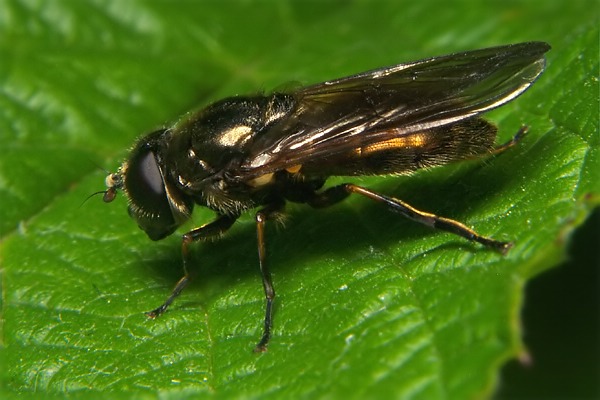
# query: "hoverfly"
{"type": "Point", "coordinates": [261, 151]}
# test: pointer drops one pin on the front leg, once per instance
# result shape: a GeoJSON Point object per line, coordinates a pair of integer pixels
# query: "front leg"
{"type": "Point", "coordinates": [215, 228]}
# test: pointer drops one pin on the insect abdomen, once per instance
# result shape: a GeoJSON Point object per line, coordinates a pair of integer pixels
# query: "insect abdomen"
{"type": "Point", "coordinates": [405, 153]}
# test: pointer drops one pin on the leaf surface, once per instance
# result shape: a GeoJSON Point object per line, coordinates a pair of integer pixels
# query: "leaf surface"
{"type": "Point", "coordinates": [368, 304]}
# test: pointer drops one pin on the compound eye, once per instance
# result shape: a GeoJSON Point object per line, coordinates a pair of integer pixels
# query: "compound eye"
{"type": "Point", "coordinates": [148, 175]}
{"type": "Point", "coordinates": [144, 181]}
{"type": "Point", "coordinates": [147, 193]}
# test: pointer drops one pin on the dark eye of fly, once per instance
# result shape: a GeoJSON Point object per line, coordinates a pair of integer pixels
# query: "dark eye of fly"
{"type": "Point", "coordinates": [145, 186]}
{"type": "Point", "coordinates": [262, 151]}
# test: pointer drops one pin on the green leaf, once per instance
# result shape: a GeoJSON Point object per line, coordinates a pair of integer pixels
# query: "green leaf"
{"type": "Point", "coordinates": [368, 304]}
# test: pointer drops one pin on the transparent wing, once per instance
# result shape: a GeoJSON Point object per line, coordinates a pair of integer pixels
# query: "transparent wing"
{"type": "Point", "coordinates": [336, 116]}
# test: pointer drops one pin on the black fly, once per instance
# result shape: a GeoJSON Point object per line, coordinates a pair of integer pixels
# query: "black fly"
{"type": "Point", "coordinates": [262, 151]}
